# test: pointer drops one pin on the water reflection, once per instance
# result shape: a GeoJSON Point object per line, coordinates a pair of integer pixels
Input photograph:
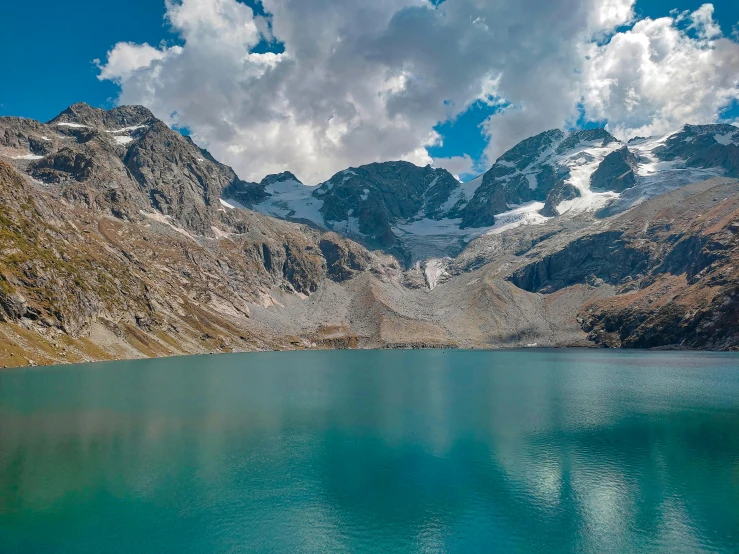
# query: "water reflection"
{"type": "Point", "coordinates": [374, 451]}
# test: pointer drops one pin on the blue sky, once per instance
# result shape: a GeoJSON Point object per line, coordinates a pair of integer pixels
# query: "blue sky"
{"type": "Point", "coordinates": [53, 67]}
{"type": "Point", "coordinates": [50, 47]}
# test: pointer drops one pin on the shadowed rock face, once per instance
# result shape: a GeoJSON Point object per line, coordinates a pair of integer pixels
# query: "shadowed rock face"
{"type": "Point", "coordinates": [379, 195]}
{"type": "Point", "coordinates": [616, 173]}
{"type": "Point", "coordinates": [344, 260]}
{"type": "Point", "coordinates": [562, 191]}
{"type": "Point", "coordinates": [704, 146]}
{"type": "Point", "coordinates": [602, 257]}
{"type": "Point", "coordinates": [673, 263]}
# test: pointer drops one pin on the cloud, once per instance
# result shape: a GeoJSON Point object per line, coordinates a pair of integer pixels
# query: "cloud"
{"type": "Point", "coordinates": [655, 77]}
{"type": "Point", "coordinates": [456, 165]}
{"type": "Point", "coordinates": [367, 81]}
{"type": "Point", "coordinates": [126, 58]}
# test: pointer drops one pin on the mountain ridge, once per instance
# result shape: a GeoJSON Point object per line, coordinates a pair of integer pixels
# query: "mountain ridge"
{"type": "Point", "coordinates": [122, 238]}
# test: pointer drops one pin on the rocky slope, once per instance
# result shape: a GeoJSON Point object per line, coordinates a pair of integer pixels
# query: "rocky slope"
{"type": "Point", "coordinates": [368, 203]}
{"type": "Point", "coordinates": [121, 238]}
{"type": "Point", "coordinates": [114, 243]}
{"type": "Point", "coordinates": [420, 213]}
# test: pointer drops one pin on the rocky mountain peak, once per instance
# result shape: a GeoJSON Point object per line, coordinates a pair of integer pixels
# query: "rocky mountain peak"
{"type": "Point", "coordinates": [526, 152]}
{"type": "Point", "coordinates": [703, 146]}
{"type": "Point", "coordinates": [592, 137]}
{"type": "Point", "coordinates": [279, 178]}
{"type": "Point", "coordinates": [82, 114]}
{"type": "Point", "coordinates": [122, 161]}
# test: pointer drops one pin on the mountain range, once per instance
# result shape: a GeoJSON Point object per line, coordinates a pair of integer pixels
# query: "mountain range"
{"type": "Point", "coordinates": [120, 237]}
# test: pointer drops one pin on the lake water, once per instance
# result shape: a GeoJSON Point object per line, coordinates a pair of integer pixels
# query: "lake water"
{"type": "Point", "coordinates": [374, 451]}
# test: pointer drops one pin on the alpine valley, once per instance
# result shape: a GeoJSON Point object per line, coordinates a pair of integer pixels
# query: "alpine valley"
{"type": "Point", "coordinates": [121, 238]}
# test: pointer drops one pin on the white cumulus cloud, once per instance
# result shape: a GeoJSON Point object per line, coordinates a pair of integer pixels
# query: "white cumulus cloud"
{"type": "Point", "coordinates": [368, 81]}
{"type": "Point", "coordinates": [657, 76]}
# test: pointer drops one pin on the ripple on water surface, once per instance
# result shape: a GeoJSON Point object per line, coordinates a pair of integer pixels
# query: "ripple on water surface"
{"type": "Point", "coordinates": [379, 451]}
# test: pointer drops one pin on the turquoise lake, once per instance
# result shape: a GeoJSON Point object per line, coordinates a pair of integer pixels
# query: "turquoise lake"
{"type": "Point", "coordinates": [374, 451]}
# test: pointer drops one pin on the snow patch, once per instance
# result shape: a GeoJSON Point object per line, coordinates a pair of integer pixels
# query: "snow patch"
{"type": "Point", "coordinates": [365, 194]}
{"type": "Point", "coordinates": [431, 227]}
{"type": "Point", "coordinates": [123, 140]}
{"type": "Point", "coordinates": [47, 139]}
{"type": "Point", "coordinates": [649, 163]}
{"type": "Point", "coordinates": [291, 199]}
{"type": "Point", "coordinates": [587, 202]}
{"type": "Point", "coordinates": [27, 157]}
{"type": "Point", "coordinates": [655, 177]}
{"type": "Point", "coordinates": [73, 125]}
{"type": "Point", "coordinates": [525, 214]}
{"type": "Point", "coordinates": [127, 129]}
{"type": "Point", "coordinates": [464, 192]}
{"type": "Point", "coordinates": [727, 138]}
{"type": "Point", "coordinates": [349, 226]}
{"type": "Point", "coordinates": [348, 174]}
{"type": "Point", "coordinates": [582, 166]}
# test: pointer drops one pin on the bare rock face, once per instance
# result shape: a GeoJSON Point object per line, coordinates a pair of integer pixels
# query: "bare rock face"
{"type": "Point", "coordinates": [343, 258]}
{"type": "Point", "coordinates": [704, 146]}
{"type": "Point", "coordinates": [616, 173]}
{"type": "Point", "coordinates": [123, 162]}
{"type": "Point", "coordinates": [379, 195]}
{"type": "Point", "coordinates": [25, 135]}
{"type": "Point", "coordinates": [179, 182]}
{"type": "Point", "coordinates": [14, 305]}
{"type": "Point", "coordinates": [96, 118]}
{"type": "Point", "coordinates": [560, 193]}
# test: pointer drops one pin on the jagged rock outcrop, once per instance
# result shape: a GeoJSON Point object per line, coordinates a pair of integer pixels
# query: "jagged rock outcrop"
{"type": "Point", "coordinates": [119, 237]}
{"type": "Point", "coordinates": [616, 172]}
{"type": "Point", "coordinates": [96, 118]}
{"type": "Point", "coordinates": [671, 263]}
{"type": "Point", "coordinates": [123, 161]}
{"type": "Point", "coordinates": [560, 193]}
{"type": "Point", "coordinates": [704, 146]}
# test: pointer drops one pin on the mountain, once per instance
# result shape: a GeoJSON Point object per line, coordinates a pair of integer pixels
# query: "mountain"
{"type": "Point", "coordinates": [120, 237]}
{"type": "Point", "coordinates": [417, 213]}
{"type": "Point", "coordinates": [115, 243]}
{"type": "Point", "coordinates": [371, 203]}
